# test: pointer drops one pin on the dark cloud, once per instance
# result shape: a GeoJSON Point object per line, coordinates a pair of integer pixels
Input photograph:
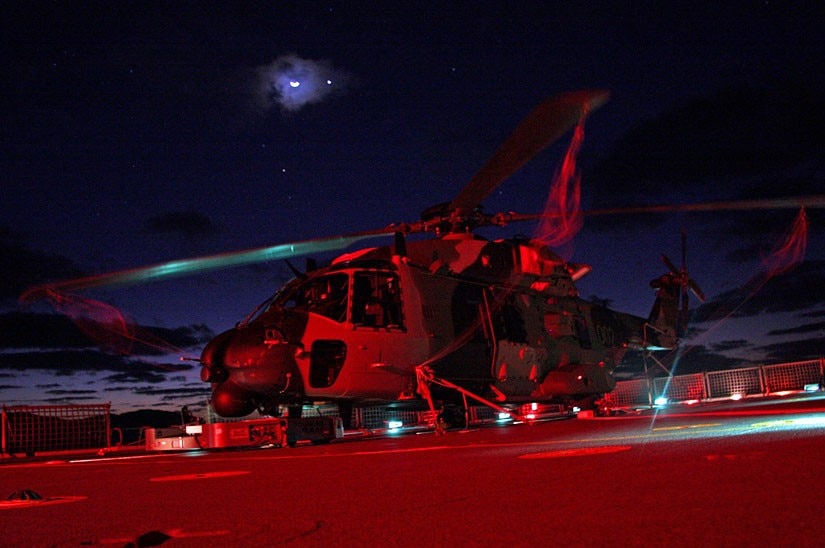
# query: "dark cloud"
{"type": "Point", "coordinates": [72, 393]}
{"type": "Point", "coordinates": [796, 350]}
{"type": "Point", "coordinates": [726, 346]}
{"type": "Point", "coordinates": [698, 358]}
{"type": "Point", "coordinates": [758, 232]}
{"type": "Point", "coordinates": [19, 330]}
{"type": "Point", "coordinates": [159, 341]}
{"type": "Point", "coordinates": [70, 399]}
{"type": "Point", "coordinates": [33, 330]}
{"type": "Point", "coordinates": [735, 133]}
{"type": "Point", "coordinates": [187, 223]}
{"type": "Point", "coordinates": [738, 143]}
{"type": "Point", "coordinates": [174, 394]}
{"type": "Point", "coordinates": [799, 330]}
{"type": "Point", "coordinates": [66, 362]}
{"type": "Point", "coordinates": [134, 376]}
{"type": "Point", "coordinates": [24, 268]}
{"type": "Point", "coordinates": [70, 362]}
{"type": "Point", "coordinates": [688, 359]}
{"type": "Point", "coordinates": [797, 290]}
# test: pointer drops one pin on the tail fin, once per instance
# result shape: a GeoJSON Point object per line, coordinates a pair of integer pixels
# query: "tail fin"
{"type": "Point", "coordinates": [665, 318]}
{"type": "Point", "coordinates": [670, 313]}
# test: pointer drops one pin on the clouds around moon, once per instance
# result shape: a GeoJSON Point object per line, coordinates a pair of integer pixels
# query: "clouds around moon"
{"type": "Point", "coordinates": [290, 83]}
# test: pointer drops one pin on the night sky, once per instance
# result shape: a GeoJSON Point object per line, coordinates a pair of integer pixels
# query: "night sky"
{"type": "Point", "coordinates": [135, 133]}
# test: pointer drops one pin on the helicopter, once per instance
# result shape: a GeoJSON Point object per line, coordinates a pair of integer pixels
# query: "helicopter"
{"type": "Point", "coordinates": [499, 320]}
{"type": "Point", "coordinates": [436, 319]}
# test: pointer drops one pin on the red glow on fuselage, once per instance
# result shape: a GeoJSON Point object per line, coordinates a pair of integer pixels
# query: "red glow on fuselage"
{"type": "Point", "coordinates": [563, 217]}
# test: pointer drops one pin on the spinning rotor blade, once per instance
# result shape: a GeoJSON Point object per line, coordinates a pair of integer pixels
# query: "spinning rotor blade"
{"type": "Point", "coordinates": [816, 201]}
{"type": "Point", "coordinates": [549, 121]}
{"type": "Point", "coordinates": [201, 264]}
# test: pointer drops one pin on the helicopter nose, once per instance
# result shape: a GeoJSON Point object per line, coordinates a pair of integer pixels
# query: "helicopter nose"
{"type": "Point", "coordinates": [248, 369]}
{"type": "Point", "coordinates": [212, 360]}
{"type": "Point", "coordinates": [231, 400]}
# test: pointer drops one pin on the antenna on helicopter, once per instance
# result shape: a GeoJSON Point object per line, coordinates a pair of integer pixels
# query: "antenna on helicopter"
{"type": "Point", "coordinates": [295, 272]}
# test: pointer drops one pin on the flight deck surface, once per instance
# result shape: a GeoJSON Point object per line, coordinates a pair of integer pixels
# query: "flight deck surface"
{"type": "Point", "coordinates": [748, 472]}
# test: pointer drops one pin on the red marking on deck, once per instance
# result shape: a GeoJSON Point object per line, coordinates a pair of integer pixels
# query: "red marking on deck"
{"type": "Point", "coordinates": [207, 475]}
{"type": "Point", "coordinates": [580, 452]}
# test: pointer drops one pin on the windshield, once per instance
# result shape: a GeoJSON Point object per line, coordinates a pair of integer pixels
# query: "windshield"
{"type": "Point", "coordinates": [324, 295]}
{"type": "Point", "coordinates": [376, 299]}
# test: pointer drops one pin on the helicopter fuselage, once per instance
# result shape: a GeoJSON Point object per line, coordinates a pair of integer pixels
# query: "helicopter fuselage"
{"type": "Point", "coordinates": [501, 319]}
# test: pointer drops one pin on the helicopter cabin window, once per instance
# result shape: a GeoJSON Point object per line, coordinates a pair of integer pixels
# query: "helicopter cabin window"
{"type": "Point", "coordinates": [509, 324]}
{"type": "Point", "coordinates": [582, 332]}
{"type": "Point", "coordinates": [376, 300]}
{"type": "Point", "coordinates": [324, 295]}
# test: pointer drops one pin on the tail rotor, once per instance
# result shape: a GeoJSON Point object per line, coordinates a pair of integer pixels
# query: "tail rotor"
{"type": "Point", "coordinates": [685, 282]}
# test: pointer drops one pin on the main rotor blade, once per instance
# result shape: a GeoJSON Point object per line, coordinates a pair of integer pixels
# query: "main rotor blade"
{"type": "Point", "coordinates": [202, 264]}
{"type": "Point", "coordinates": [549, 121]}
{"type": "Point", "coordinates": [816, 201]}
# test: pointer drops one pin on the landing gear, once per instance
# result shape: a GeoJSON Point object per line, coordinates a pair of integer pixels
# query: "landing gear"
{"type": "Point", "coordinates": [452, 416]}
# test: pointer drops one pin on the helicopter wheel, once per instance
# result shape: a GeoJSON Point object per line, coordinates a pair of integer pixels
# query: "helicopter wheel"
{"type": "Point", "coordinates": [345, 413]}
{"type": "Point", "coordinates": [587, 403]}
{"type": "Point", "coordinates": [451, 416]}
{"type": "Point", "coordinates": [269, 409]}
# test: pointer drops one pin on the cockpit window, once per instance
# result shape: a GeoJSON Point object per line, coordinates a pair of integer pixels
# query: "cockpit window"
{"type": "Point", "coordinates": [324, 295]}
{"type": "Point", "coordinates": [376, 300]}
{"type": "Point", "coordinates": [374, 297]}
